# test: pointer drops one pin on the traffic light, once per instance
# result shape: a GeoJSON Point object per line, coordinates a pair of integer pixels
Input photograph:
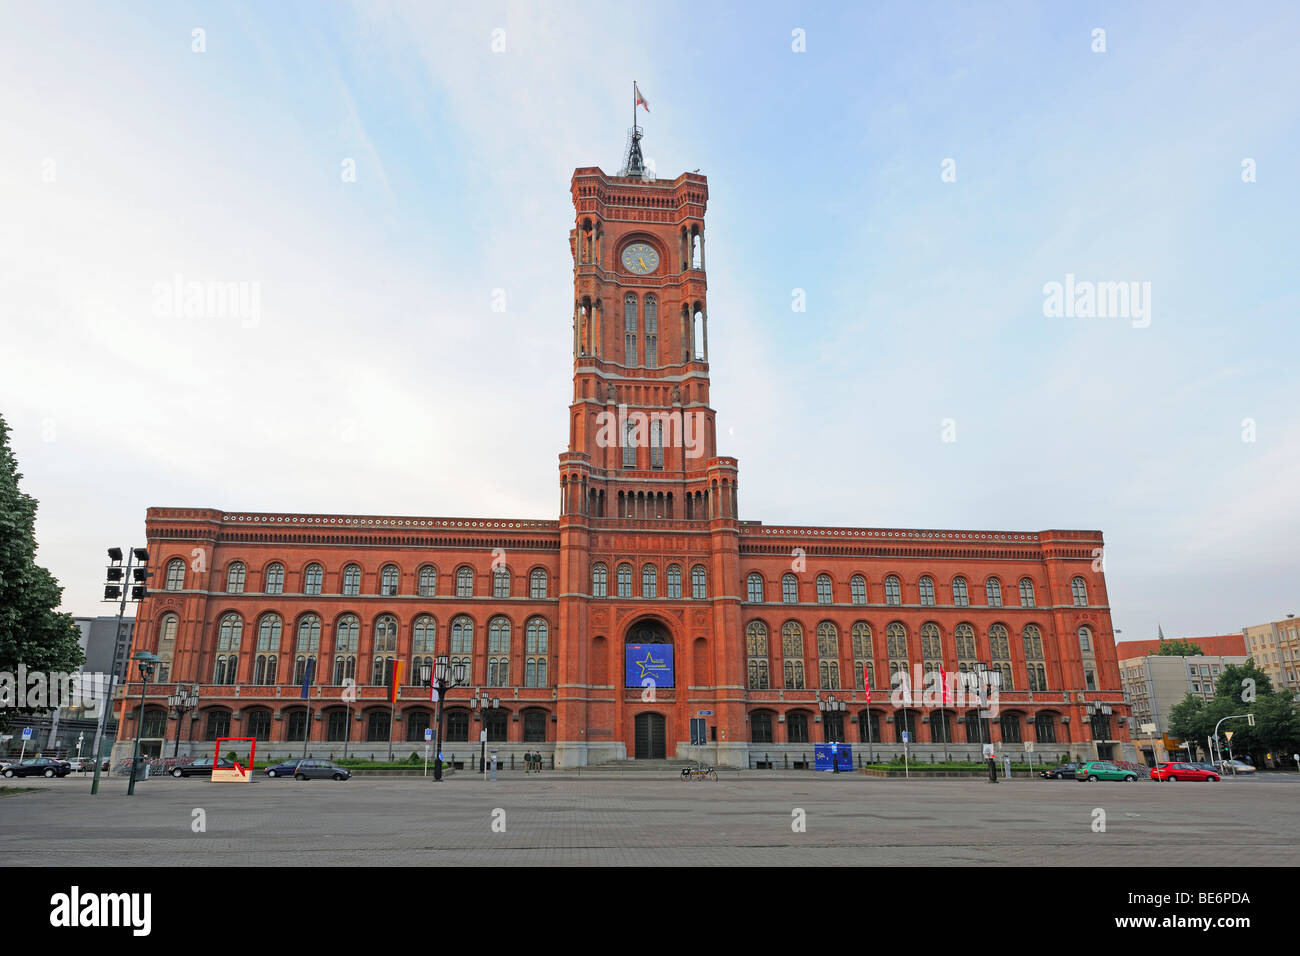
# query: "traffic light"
{"type": "Point", "coordinates": [112, 592]}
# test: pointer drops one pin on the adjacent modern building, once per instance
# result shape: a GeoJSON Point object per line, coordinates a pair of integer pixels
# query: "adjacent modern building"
{"type": "Point", "coordinates": [1275, 646]}
{"type": "Point", "coordinates": [1153, 684]}
{"type": "Point", "coordinates": [647, 602]}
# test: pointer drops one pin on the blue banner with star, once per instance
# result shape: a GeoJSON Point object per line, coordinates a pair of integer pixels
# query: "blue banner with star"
{"type": "Point", "coordinates": [648, 662]}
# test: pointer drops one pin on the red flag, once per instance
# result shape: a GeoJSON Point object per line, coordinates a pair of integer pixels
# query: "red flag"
{"type": "Point", "coordinates": [866, 681]}
{"type": "Point", "coordinates": [943, 676]}
{"type": "Point", "coordinates": [397, 680]}
{"type": "Point", "coordinates": [640, 100]}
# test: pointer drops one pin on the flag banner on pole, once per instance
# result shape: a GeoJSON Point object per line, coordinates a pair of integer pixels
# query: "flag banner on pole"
{"type": "Point", "coordinates": [943, 679]}
{"type": "Point", "coordinates": [397, 680]}
{"type": "Point", "coordinates": [640, 100]}
{"type": "Point", "coordinates": [307, 676]}
{"type": "Point", "coordinates": [866, 682]}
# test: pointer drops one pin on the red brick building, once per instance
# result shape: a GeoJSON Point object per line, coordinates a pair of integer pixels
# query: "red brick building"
{"type": "Point", "coordinates": [770, 631]}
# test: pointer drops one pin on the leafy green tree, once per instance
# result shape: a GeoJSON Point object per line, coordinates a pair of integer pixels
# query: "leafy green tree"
{"type": "Point", "coordinates": [1243, 683]}
{"type": "Point", "coordinates": [1277, 725]}
{"type": "Point", "coordinates": [32, 632]}
{"type": "Point", "coordinates": [1179, 648]}
{"type": "Point", "coordinates": [1187, 719]}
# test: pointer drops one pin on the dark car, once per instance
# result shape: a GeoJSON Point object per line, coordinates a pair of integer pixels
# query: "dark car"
{"type": "Point", "coordinates": [1063, 771]}
{"type": "Point", "coordinates": [320, 770]}
{"type": "Point", "coordinates": [285, 769]}
{"type": "Point", "coordinates": [39, 767]}
{"type": "Point", "coordinates": [203, 766]}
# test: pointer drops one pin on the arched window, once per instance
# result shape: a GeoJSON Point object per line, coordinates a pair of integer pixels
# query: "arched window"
{"type": "Point", "coordinates": [537, 584]}
{"type": "Point", "coordinates": [1033, 639]}
{"type": "Point", "coordinates": [896, 647]}
{"type": "Point", "coordinates": [960, 596]}
{"type": "Point", "coordinates": [424, 635]}
{"type": "Point", "coordinates": [167, 628]}
{"type": "Point", "coordinates": [864, 668]}
{"type": "Point", "coordinates": [462, 643]}
{"type": "Point", "coordinates": [858, 589]}
{"type": "Point", "coordinates": [464, 582]}
{"type": "Point", "coordinates": [1044, 729]}
{"type": "Point", "coordinates": [1079, 588]}
{"type": "Point", "coordinates": [1085, 640]}
{"type": "Point", "coordinates": [457, 725]}
{"type": "Point", "coordinates": [235, 575]}
{"type": "Point", "coordinates": [625, 580]}
{"type": "Point", "coordinates": [993, 592]}
{"type": "Point", "coordinates": [1011, 728]}
{"type": "Point", "coordinates": [629, 330]}
{"type": "Point", "coordinates": [823, 589]}
{"type": "Point", "coordinates": [388, 580]}
{"type": "Point", "coordinates": [311, 579]}
{"type": "Point", "coordinates": [651, 331]}
{"type": "Point", "coordinates": [789, 589]}
{"type": "Point", "coordinates": [931, 646]}
{"type": "Point", "coordinates": [649, 581]}
{"type": "Point", "coordinates": [501, 582]}
{"type": "Point", "coordinates": [828, 655]}
{"type": "Point", "coordinates": [1000, 652]}
{"type": "Point", "coordinates": [308, 645]}
{"type": "Point", "coordinates": [498, 652]}
{"type": "Point", "coordinates": [347, 634]}
{"type": "Point", "coordinates": [534, 727]}
{"type": "Point", "coordinates": [417, 722]}
{"type": "Point", "coordinates": [352, 580]}
{"type": "Point", "coordinates": [536, 652]}
{"type": "Point", "coordinates": [796, 728]}
{"type": "Point", "coordinates": [428, 584]}
{"type": "Point", "coordinates": [699, 583]}
{"type": "Point", "coordinates": [230, 633]}
{"type": "Point", "coordinates": [599, 581]}
{"type": "Point", "coordinates": [893, 593]}
{"type": "Point", "coordinates": [675, 581]}
{"type": "Point", "coordinates": [927, 591]}
{"type": "Point", "coordinates": [175, 575]}
{"type": "Point", "coordinates": [268, 646]}
{"type": "Point", "coordinates": [754, 587]}
{"type": "Point", "coordinates": [259, 724]}
{"type": "Point", "coordinates": [630, 441]}
{"type": "Point", "coordinates": [386, 634]}
{"type": "Point", "coordinates": [964, 635]}
{"type": "Point", "coordinates": [656, 441]}
{"type": "Point", "coordinates": [756, 654]}
{"type": "Point", "coordinates": [792, 651]}
{"type": "Point", "coordinates": [1026, 592]}
{"type": "Point", "coordinates": [275, 578]}
{"type": "Point", "coordinates": [760, 727]}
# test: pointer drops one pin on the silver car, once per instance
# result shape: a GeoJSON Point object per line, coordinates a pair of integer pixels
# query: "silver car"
{"type": "Point", "coordinates": [1235, 766]}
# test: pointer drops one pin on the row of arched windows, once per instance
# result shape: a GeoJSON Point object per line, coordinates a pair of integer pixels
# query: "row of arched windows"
{"type": "Point", "coordinates": [756, 590]}
{"type": "Point", "coordinates": [306, 648]}
{"type": "Point", "coordinates": [673, 583]}
{"type": "Point", "coordinates": [350, 580]}
{"type": "Point", "coordinates": [758, 653]}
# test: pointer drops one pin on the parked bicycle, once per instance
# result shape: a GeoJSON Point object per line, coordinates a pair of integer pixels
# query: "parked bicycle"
{"type": "Point", "coordinates": [699, 773]}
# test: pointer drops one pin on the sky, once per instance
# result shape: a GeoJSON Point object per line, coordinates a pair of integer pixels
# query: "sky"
{"type": "Point", "coordinates": [388, 185]}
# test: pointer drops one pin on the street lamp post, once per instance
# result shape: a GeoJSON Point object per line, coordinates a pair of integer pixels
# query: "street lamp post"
{"type": "Point", "coordinates": [183, 701]}
{"type": "Point", "coordinates": [982, 672]}
{"type": "Point", "coordinates": [484, 705]}
{"type": "Point", "coordinates": [439, 684]}
{"type": "Point", "coordinates": [147, 662]}
{"type": "Point", "coordinates": [117, 589]}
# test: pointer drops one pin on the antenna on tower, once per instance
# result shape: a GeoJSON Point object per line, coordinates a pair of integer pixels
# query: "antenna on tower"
{"type": "Point", "coordinates": [633, 164]}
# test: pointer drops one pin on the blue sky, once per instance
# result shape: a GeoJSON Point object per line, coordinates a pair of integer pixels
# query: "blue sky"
{"type": "Point", "coordinates": [377, 379]}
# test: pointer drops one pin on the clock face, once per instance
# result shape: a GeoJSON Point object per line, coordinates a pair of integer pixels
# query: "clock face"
{"type": "Point", "coordinates": [640, 258]}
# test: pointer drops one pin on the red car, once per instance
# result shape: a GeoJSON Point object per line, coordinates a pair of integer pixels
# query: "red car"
{"type": "Point", "coordinates": [1171, 772]}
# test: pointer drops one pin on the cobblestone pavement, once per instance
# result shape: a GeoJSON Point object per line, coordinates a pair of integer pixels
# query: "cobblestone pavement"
{"type": "Point", "coordinates": [643, 818]}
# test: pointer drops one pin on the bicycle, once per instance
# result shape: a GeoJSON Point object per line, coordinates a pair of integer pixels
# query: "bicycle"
{"type": "Point", "coordinates": [699, 773]}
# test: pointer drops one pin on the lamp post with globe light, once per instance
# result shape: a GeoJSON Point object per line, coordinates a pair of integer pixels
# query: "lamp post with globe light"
{"type": "Point", "coordinates": [437, 680]}
{"type": "Point", "coordinates": [147, 662]}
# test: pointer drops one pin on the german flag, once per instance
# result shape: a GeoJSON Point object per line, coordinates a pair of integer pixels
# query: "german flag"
{"type": "Point", "coordinates": [394, 679]}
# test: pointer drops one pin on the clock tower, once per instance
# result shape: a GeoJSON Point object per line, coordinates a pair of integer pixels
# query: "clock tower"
{"type": "Point", "coordinates": [641, 482]}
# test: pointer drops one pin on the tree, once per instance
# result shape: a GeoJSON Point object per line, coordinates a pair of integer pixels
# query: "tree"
{"type": "Point", "coordinates": [32, 632]}
{"type": "Point", "coordinates": [1187, 720]}
{"type": "Point", "coordinates": [1179, 648]}
{"type": "Point", "coordinates": [1243, 683]}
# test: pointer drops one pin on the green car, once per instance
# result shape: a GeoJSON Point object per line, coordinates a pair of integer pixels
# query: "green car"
{"type": "Point", "coordinates": [1103, 770]}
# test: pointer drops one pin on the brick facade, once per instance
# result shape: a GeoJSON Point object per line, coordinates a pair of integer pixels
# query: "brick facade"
{"type": "Point", "coordinates": [642, 488]}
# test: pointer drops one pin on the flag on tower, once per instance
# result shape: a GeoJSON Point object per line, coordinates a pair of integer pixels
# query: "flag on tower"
{"type": "Point", "coordinates": [640, 100]}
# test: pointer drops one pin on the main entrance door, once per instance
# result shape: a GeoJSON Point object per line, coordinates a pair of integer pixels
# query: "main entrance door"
{"type": "Point", "coordinates": [650, 737]}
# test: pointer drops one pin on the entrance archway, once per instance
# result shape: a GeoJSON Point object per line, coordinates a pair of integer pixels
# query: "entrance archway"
{"type": "Point", "coordinates": [651, 737]}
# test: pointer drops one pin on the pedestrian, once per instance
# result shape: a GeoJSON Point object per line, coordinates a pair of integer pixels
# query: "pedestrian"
{"type": "Point", "coordinates": [528, 762]}
{"type": "Point", "coordinates": [537, 756]}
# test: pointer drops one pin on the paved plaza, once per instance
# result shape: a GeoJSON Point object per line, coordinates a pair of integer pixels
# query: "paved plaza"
{"type": "Point", "coordinates": [650, 819]}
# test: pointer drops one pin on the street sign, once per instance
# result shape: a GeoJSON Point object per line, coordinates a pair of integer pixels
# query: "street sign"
{"type": "Point", "coordinates": [428, 734]}
{"type": "Point", "coordinates": [988, 750]}
{"type": "Point", "coordinates": [482, 736]}
{"type": "Point", "coordinates": [27, 733]}
{"type": "Point", "coordinates": [704, 713]}
{"type": "Point", "coordinates": [906, 736]}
